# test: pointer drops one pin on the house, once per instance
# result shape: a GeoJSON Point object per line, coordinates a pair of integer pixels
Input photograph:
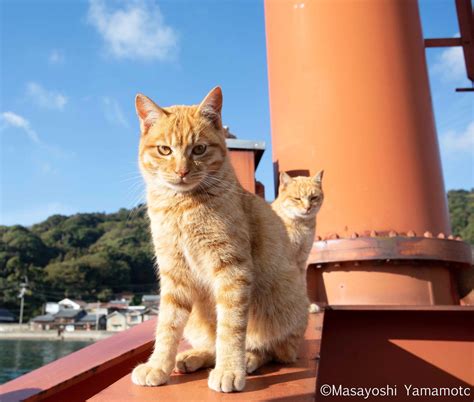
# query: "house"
{"type": "Point", "coordinates": [150, 313]}
{"type": "Point", "coordinates": [151, 300]}
{"type": "Point", "coordinates": [72, 304]}
{"type": "Point", "coordinates": [6, 316]}
{"type": "Point", "coordinates": [97, 308]}
{"type": "Point", "coordinates": [116, 321]}
{"type": "Point", "coordinates": [43, 322]}
{"type": "Point", "coordinates": [91, 321]}
{"type": "Point", "coordinates": [51, 307]}
{"type": "Point", "coordinates": [133, 318]}
{"type": "Point", "coordinates": [68, 317]}
{"type": "Point", "coordinates": [117, 305]}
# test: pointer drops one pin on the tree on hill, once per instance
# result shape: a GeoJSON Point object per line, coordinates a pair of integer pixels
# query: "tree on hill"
{"type": "Point", "coordinates": [88, 256]}
{"type": "Point", "coordinates": [461, 209]}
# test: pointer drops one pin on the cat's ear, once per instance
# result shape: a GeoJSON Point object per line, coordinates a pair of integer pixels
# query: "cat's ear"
{"type": "Point", "coordinates": [211, 107]}
{"type": "Point", "coordinates": [148, 112]}
{"type": "Point", "coordinates": [285, 179]}
{"type": "Point", "coordinates": [318, 178]}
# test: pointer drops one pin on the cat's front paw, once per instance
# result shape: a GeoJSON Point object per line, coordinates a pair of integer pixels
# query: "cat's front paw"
{"type": "Point", "coordinates": [222, 380]}
{"type": "Point", "coordinates": [149, 375]}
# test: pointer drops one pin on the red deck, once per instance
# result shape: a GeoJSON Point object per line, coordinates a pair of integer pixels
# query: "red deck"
{"type": "Point", "coordinates": [296, 382]}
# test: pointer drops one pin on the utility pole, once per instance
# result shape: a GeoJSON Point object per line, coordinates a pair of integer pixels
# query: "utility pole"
{"type": "Point", "coordinates": [97, 315]}
{"type": "Point", "coordinates": [23, 287]}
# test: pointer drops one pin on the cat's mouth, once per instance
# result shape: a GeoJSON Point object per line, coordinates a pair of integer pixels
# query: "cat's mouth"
{"type": "Point", "coordinates": [305, 213]}
{"type": "Point", "coordinates": [181, 185]}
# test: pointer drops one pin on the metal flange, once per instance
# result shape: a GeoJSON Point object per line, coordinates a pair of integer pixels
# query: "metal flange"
{"type": "Point", "coordinates": [390, 246]}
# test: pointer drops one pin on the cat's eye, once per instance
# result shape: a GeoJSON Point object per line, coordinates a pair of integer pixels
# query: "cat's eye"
{"type": "Point", "coordinates": [297, 199]}
{"type": "Point", "coordinates": [199, 149]}
{"type": "Point", "coordinates": [164, 150]}
{"type": "Point", "coordinates": [315, 198]}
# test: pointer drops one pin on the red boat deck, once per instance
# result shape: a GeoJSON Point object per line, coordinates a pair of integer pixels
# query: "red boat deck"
{"type": "Point", "coordinates": [295, 383]}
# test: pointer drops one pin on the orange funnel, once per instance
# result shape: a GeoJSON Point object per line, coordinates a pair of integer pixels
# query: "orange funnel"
{"type": "Point", "coordinates": [349, 93]}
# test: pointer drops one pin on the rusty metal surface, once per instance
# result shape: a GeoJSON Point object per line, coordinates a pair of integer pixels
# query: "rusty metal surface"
{"type": "Point", "coordinates": [386, 346]}
{"type": "Point", "coordinates": [284, 383]}
{"type": "Point", "coordinates": [79, 375]}
{"type": "Point", "coordinates": [391, 248]}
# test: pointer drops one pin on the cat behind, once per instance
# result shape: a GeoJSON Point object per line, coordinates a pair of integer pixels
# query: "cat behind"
{"type": "Point", "coordinates": [298, 202]}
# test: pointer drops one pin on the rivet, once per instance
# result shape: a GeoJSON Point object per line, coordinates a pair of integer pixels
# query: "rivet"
{"type": "Point", "coordinates": [337, 265]}
{"type": "Point", "coordinates": [354, 235]}
{"type": "Point", "coordinates": [392, 233]}
{"type": "Point", "coordinates": [319, 266]}
{"type": "Point", "coordinates": [317, 238]}
{"type": "Point", "coordinates": [459, 238]}
{"type": "Point", "coordinates": [451, 237]}
{"type": "Point", "coordinates": [411, 233]}
{"type": "Point", "coordinates": [428, 234]}
{"type": "Point", "coordinates": [441, 236]}
{"type": "Point", "coordinates": [333, 236]}
{"type": "Point", "coordinates": [373, 233]}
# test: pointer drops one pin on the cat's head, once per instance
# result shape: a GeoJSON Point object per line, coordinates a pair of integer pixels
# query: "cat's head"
{"type": "Point", "coordinates": [301, 197]}
{"type": "Point", "coordinates": [181, 146]}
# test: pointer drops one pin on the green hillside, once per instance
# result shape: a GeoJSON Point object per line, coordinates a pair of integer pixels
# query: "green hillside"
{"type": "Point", "coordinates": [85, 256]}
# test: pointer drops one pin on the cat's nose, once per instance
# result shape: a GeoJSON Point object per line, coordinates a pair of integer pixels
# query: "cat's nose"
{"type": "Point", "coordinates": [182, 172]}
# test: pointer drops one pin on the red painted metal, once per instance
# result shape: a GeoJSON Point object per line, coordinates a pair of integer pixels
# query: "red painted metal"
{"type": "Point", "coordinates": [371, 283]}
{"type": "Point", "coordinates": [364, 114]}
{"type": "Point", "coordinates": [466, 28]}
{"type": "Point", "coordinates": [244, 165]}
{"type": "Point", "coordinates": [443, 42]}
{"type": "Point", "coordinates": [294, 382]}
{"type": "Point", "coordinates": [396, 346]}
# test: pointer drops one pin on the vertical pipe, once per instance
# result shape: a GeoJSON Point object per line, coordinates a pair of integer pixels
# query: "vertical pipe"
{"type": "Point", "coordinates": [349, 93]}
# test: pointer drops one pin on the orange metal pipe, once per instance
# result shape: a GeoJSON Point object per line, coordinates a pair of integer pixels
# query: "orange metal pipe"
{"type": "Point", "coordinates": [349, 93]}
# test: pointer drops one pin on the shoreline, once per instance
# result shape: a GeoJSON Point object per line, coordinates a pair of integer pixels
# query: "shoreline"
{"type": "Point", "coordinates": [53, 335]}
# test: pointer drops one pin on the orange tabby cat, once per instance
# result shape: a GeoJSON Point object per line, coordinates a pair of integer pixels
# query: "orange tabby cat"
{"type": "Point", "coordinates": [298, 202]}
{"type": "Point", "coordinates": [224, 256]}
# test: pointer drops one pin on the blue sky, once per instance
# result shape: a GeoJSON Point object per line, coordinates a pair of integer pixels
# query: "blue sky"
{"type": "Point", "coordinates": [70, 70]}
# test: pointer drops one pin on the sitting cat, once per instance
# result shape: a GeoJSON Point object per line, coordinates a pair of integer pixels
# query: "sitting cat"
{"type": "Point", "coordinates": [226, 271]}
{"type": "Point", "coordinates": [298, 202]}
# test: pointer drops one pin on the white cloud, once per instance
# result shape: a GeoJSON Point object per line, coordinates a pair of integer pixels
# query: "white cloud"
{"type": "Point", "coordinates": [45, 98]}
{"type": "Point", "coordinates": [133, 30]}
{"type": "Point", "coordinates": [113, 112]}
{"type": "Point", "coordinates": [450, 65]}
{"type": "Point", "coordinates": [56, 57]}
{"type": "Point", "coordinates": [453, 142]}
{"type": "Point", "coordinates": [11, 119]}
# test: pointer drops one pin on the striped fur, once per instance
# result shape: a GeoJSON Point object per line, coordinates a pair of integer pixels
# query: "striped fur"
{"type": "Point", "coordinates": [227, 280]}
